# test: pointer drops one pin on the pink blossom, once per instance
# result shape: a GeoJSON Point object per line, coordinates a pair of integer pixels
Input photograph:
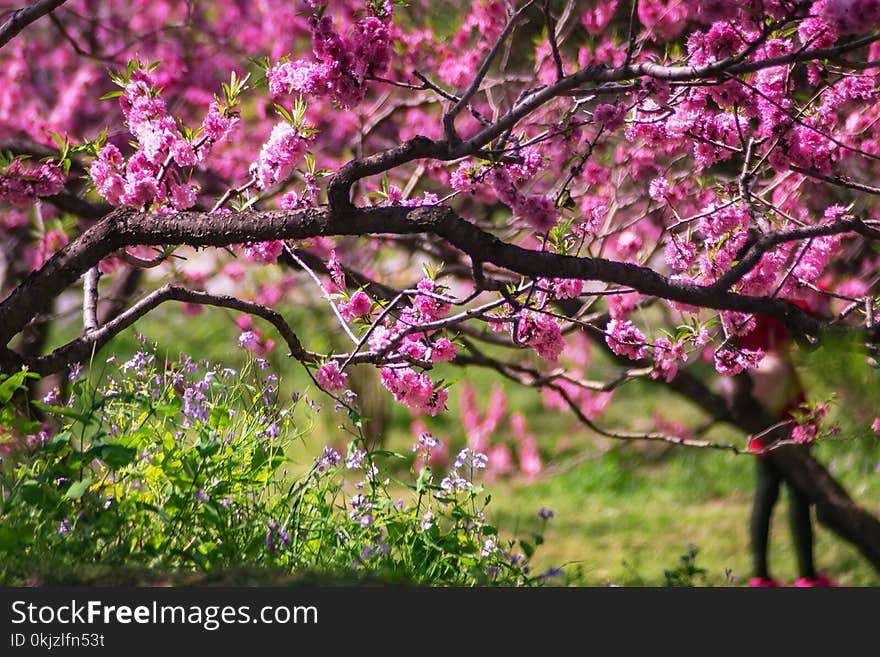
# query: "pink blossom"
{"type": "Point", "coordinates": [462, 179]}
{"type": "Point", "coordinates": [443, 351]}
{"type": "Point", "coordinates": [430, 307]}
{"type": "Point", "coordinates": [679, 254]}
{"type": "Point", "coordinates": [284, 148]}
{"type": "Point", "coordinates": [817, 33]}
{"type": "Point", "coordinates": [300, 76]}
{"type": "Point", "coordinates": [625, 339]}
{"type": "Point", "coordinates": [542, 333]}
{"type": "Point", "coordinates": [733, 361]}
{"type": "Point", "coordinates": [380, 338]}
{"type": "Point", "coordinates": [414, 389]}
{"type": "Point", "coordinates": [875, 425]}
{"type": "Point", "coordinates": [265, 252]}
{"type": "Point", "coordinates": [358, 306]}
{"type": "Point", "coordinates": [723, 220]}
{"type": "Point", "coordinates": [566, 288]}
{"type": "Point", "coordinates": [183, 196]}
{"type": "Point", "coordinates": [218, 122]}
{"type": "Point", "coordinates": [22, 186]}
{"type": "Point", "coordinates": [805, 433]}
{"type": "Point", "coordinates": [539, 211]}
{"type": "Point", "coordinates": [849, 16]}
{"type": "Point", "coordinates": [183, 153]}
{"type": "Point", "coordinates": [413, 347]}
{"type": "Point", "coordinates": [141, 184]}
{"type": "Point", "coordinates": [658, 189]}
{"type": "Point", "coordinates": [610, 116]}
{"type": "Point", "coordinates": [667, 357]}
{"type": "Point", "coordinates": [628, 243]}
{"type": "Point", "coordinates": [596, 19]}
{"type": "Point", "coordinates": [330, 377]}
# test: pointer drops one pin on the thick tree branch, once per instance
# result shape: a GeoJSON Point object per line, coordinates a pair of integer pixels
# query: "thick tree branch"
{"type": "Point", "coordinates": [128, 228]}
{"type": "Point", "coordinates": [23, 17]}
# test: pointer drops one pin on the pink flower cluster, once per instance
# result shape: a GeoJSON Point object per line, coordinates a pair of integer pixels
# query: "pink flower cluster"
{"type": "Point", "coordinates": [849, 16]}
{"type": "Point", "coordinates": [625, 339]}
{"type": "Point", "coordinates": [22, 185]}
{"type": "Point", "coordinates": [807, 430]}
{"type": "Point", "coordinates": [537, 210]}
{"type": "Point", "coordinates": [147, 177]}
{"type": "Point", "coordinates": [610, 116]}
{"type": "Point", "coordinates": [541, 332]}
{"type": "Point", "coordinates": [344, 63]}
{"type": "Point", "coordinates": [408, 386]}
{"type": "Point", "coordinates": [330, 377]}
{"type": "Point", "coordinates": [596, 19]}
{"type": "Point", "coordinates": [264, 252]}
{"type": "Point", "coordinates": [415, 389]}
{"type": "Point", "coordinates": [680, 254]}
{"type": "Point", "coordinates": [730, 361]}
{"type": "Point", "coordinates": [667, 356]}
{"type": "Point", "coordinates": [219, 122]}
{"type": "Point", "coordinates": [563, 288]}
{"type": "Point", "coordinates": [360, 305]}
{"type": "Point", "coordinates": [283, 149]}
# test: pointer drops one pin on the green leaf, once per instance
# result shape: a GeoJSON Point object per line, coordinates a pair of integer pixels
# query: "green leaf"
{"type": "Point", "coordinates": [35, 494]}
{"type": "Point", "coordinates": [386, 452]}
{"type": "Point", "coordinates": [79, 488]}
{"type": "Point", "coordinates": [115, 456]}
{"type": "Point", "coordinates": [64, 412]}
{"type": "Point", "coordinates": [13, 383]}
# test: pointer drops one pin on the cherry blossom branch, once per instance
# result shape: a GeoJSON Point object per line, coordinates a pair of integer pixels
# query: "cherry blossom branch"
{"type": "Point", "coordinates": [449, 118]}
{"type": "Point", "coordinates": [840, 181]}
{"type": "Point", "coordinates": [551, 37]}
{"type": "Point", "coordinates": [79, 349]}
{"type": "Point", "coordinates": [126, 227]}
{"type": "Point", "coordinates": [419, 147]}
{"type": "Point", "coordinates": [763, 244]}
{"type": "Point", "coordinates": [514, 373]}
{"type": "Point", "coordinates": [650, 436]}
{"type": "Point", "coordinates": [342, 323]}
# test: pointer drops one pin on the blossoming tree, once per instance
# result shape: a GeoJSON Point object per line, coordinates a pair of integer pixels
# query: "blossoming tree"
{"type": "Point", "coordinates": [556, 168]}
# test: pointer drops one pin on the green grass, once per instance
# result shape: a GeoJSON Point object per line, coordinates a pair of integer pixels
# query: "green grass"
{"type": "Point", "coordinates": [623, 522]}
{"type": "Point", "coordinates": [625, 513]}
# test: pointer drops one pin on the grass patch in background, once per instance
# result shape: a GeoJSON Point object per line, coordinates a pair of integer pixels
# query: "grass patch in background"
{"type": "Point", "coordinates": [625, 513]}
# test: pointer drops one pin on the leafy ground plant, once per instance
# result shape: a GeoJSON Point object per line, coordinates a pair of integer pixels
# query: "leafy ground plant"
{"type": "Point", "coordinates": [177, 466]}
